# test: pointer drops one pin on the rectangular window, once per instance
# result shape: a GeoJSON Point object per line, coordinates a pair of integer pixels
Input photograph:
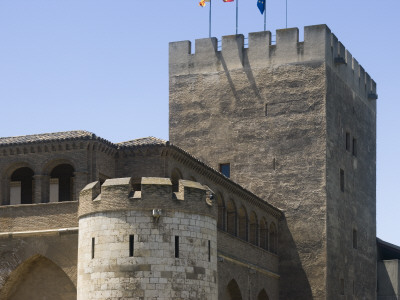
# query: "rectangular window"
{"type": "Point", "coordinates": [341, 180]}
{"type": "Point", "coordinates": [347, 141]}
{"type": "Point", "coordinates": [93, 247]}
{"type": "Point", "coordinates": [225, 169]}
{"type": "Point", "coordinates": [266, 109]}
{"type": "Point", "coordinates": [354, 239]}
{"type": "Point", "coordinates": [354, 147]}
{"type": "Point", "coordinates": [209, 250]}
{"type": "Point", "coordinates": [131, 244]}
{"type": "Point", "coordinates": [176, 246]}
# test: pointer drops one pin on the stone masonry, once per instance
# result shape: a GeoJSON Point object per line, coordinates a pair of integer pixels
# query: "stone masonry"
{"type": "Point", "coordinates": [281, 116]}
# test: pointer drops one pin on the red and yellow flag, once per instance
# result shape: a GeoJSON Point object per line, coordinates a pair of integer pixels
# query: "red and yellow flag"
{"type": "Point", "coordinates": [202, 3]}
{"type": "Point", "coordinates": [227, 0]}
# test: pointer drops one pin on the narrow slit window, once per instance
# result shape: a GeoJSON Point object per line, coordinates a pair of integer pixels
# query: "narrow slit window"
{"type": "Point", "coordinates": [347, 141]}
{"type": "Point", "coordinates": [354, 239]}
{"type": "Point", "coordinates": [266, 110]}
{"type": "Point", "coordinates": [176, 246]}
{"type": "Point", "coordinates": [354, 147]}
{"type": "Point", "coordinates": [341, 286]}
{"type": "Point", "coordinates": [131, 245]}
{"type": "Point", "coordinates": [342, 180]}
{"type": "Point", "coordinates": [209, 250]}
{"type": "Point", "coordinates": [93, 241]}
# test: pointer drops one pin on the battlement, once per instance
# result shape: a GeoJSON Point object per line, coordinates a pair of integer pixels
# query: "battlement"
{"type": "Point", "coordinates": [319, 45]}
{"type": "Point", "coordinates": [148, 194]}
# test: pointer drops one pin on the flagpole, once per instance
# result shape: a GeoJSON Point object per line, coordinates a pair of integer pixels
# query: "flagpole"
{"type": "Point", "coordinates": [286, 13]}
{"type": "Point", "coordinates": [237, 10]}
{"type": "Point", "coordinates": [209, 22]}
{"type": "Point", "coordinates": [265, 17]}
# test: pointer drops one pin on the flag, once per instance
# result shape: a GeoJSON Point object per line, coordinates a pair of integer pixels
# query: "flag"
{"type": "Point", "coordinates": [261, 5]}
{"type": "Point", "coordinates": [227, 0]}
{"type": "Point", "coordinates": [202, 3]}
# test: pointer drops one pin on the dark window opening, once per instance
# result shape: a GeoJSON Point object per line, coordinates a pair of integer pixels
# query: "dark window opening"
{"type": "Point", "coordinates": [264, 234]}
{"type": "Point", "coordinates": [273, 238]}
{"type": "Point", "coordinates": [354, 239]}
{"type": "Point", "coordinates": [243, 223]}
{"type": "Point", "coordinates": [92, 248]}
{"type": "Point", "coordinates": [341, 286]}
{"type": "Point", "coordinates": [209, 250]}
{"type": "Point", "coordinates": [176, 175]}
{"type": "Point", "coordinates": [354, 147]}
{"type": "Point", "coordinates": [131, 244]}
{"type": "Point", "coordinates": [347, 141]}
{"type": "Point", "coordinates": [231, 217]}
{"type": "Point", "coordinates": [25, 177]}
{"type": "Point", "coordinates": [176, 246]}
{"type": "Point", "coordinates": [65, 174]}
{"type": "Point", "coordinates": [221, 213]}
{"type": "Point", "coordinates": [274, 163]}
{"type": "Point", "coordinates": [225, 169]}
{"type": "Point", "coordinates": [342, 180]}
{"type": "Point", "coordinates": [266, 109]}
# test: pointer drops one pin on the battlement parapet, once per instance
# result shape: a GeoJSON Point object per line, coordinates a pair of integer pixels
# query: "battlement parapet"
{"type": "Point", "coordinates": [151, 193]}
{"type": "Point", "coordinates": [319, 45]}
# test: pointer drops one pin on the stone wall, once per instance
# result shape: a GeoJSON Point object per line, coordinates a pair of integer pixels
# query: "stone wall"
{"type": "Point", "coordinates": [265, 110]}
{"type": "Point", "coordinates": [125, 250]}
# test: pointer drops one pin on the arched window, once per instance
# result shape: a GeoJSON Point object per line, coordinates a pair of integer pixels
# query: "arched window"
{"type": "Point", "coordinates": [264, 234]}
{"type": "Point", "coordinates": [262, 295]}
{"type": "Point", "coordinates": [231, 217]}
{"type": "Point", "coordinates": [21, 186]}
{"type": "Point", "coordinates": [253, 237]}
{"type": "Point", "coordinates": [233, 291]}
{"type": "Point", "coordinates": [243, 223]}
{"type": "Point", "coordinates": [61, 183]}
{"type": "Point", "coordinates": [273, 238]}
{"type": "Point", "coordinates": [221, 212]}
{"type": "Point", "coordinates": [176, 175]}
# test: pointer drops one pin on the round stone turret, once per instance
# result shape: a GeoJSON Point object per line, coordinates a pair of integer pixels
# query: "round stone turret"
{"type": "Point", "coordinates": [143, 241]}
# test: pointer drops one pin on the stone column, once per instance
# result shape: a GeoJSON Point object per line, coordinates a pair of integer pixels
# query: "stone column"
{"type": "Point", "coordinates": [80, 181]}
{"type": "Point", "coordinates": [39, 188]}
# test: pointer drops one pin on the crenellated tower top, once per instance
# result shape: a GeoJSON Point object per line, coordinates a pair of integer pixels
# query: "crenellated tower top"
{"type": "Point", "coordinates": [319, 44]}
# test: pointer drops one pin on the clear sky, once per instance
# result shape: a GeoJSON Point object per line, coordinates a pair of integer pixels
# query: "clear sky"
{"type": "Point", "coordinates": [102, 66]}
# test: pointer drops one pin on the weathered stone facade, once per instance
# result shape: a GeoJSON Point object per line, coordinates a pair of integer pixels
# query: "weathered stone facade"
{"type": "Point", "coordinates": [52, 229]}
{"type": "Point", "coordinates": [294, 123]}
{"type": "Point", "coordinates": [278, 114]}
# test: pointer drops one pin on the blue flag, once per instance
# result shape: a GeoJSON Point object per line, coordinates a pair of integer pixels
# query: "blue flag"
{"type": "Point", "coordinates": [261, 5]}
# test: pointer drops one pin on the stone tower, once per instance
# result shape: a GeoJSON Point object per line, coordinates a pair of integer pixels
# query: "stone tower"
{"type": "Point", "coordinates": [143, 241]}
{"type": "Point", "coordinates": [294, 122]}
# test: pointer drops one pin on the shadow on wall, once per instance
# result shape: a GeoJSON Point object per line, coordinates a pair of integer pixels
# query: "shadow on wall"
{"type": "Point", "coordinates": [38, 278]}
{"type": "Point", "coordinates": [293, 283]}
{"type": "Point", "coordinates": [385, 280]}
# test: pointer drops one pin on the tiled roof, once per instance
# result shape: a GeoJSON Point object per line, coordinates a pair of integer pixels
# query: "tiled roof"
{"type": "Point", "coordinates": [47, 137]}
{"type": "Point", "coordinates": [76, 135]}
{"type": "Point", "coordinates": [142, 142]}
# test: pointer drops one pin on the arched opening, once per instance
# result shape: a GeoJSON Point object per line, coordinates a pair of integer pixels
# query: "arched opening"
{"type": "Point", "coordinates": [233, 291]}
{"type": "Point", "coordinates": [231, 217]}
{"type": "Point", "coordinates": [273, 238]}
{"type": "Point", "coordinates": [221, 212]}
{"type": "Point", "coordinates": [253, 234]}
{"type": "Point", "coordinates": [61, 183]}
{"type": "Point", "coordinates": [38, 278]}
{"type": "Point", "coordinates": [21, 186]}
{"type": "Point", "coordinates": [176, 175]}
{"type": "Point", "coordinates": [264, 234]}
{"type": "Point", "coordinates": [243, 223]}
{"type": "Point", "coordinates": [262, 295]}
